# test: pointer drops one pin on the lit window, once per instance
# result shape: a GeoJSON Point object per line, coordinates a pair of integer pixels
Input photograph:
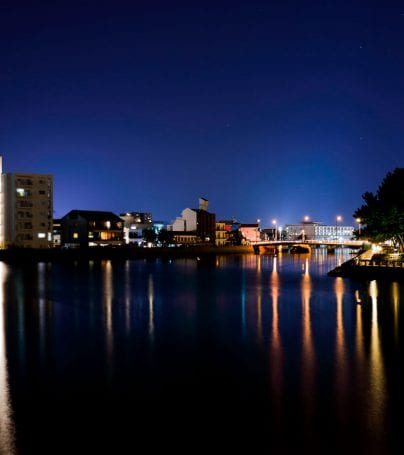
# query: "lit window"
{"type": "Point", "coordinates": [41, 235]}
{"type": "Point", "coordinates": [20, 192]}
{"type": "Point", "coordinates": [108, 224]}
{"type": "Point", "coordinates": [75, 235]}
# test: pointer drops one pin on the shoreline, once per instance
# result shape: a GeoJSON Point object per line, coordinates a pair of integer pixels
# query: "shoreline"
{"type": "Point", "coordinates": [23, 255]}
{"type": "Point", "coordinates": [367, 269]}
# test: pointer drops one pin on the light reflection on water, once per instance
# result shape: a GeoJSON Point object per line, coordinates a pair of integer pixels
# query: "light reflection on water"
{"type": "Point", "coordinates": [275, 329]}
{"type": "Point", "coordinates": [377, 391]}
{"type": "Point", "coordinates": [6, 421]}
{"type": "Point", "coordinates": [275, 346]}
{"type": "Point", "coordinates": [341, 368]}
{"type": "Point", "coordinates": [308, 363]}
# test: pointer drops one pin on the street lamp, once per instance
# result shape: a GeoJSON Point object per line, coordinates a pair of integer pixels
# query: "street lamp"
{"type": "Point", "coordinates": [359, 221]}
{"type": "Point", "coordinates": [274, 222]}
{"type": "Point", "coordinates": [258, 230]}
{"type": "Point", "coordinates": [338, 218]}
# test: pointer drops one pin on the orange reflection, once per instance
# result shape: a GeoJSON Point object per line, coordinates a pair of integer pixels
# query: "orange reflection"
{"type": "Point", "coordinates": [7, 445]}
{"type": "Point", "coordinates": [377, 391]}
{"type": "Point", "coordinates": [341, 370]}
{"type": "Point", "coordinates": [395, 293]}
{"type": "Point", "coordinates": [259, 302]}
{"type": "Point", "coordinates": [275, 348]}
{"type": "Point", "coordinates": [308, 355]}
{"type": "Point", "coordinates": [362, 375]}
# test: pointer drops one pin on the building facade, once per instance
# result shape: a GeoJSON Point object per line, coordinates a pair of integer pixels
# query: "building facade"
{"type": "Point", "coordinates": [250, 232]}
{"type": "Point", "coordinates": [26, 216]}
{"type": "Point", "coordinates": [199, 221]}
{"type": "Point", "coordinates": [312, 230]}
{"type": "Point", "coordinates": [87, 228]}
{"type": "Point", "coordinates": [134, 225]}
{"type": "Point", "coordinates": [221, 233]}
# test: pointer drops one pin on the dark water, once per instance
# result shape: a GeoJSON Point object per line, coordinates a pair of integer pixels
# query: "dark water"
{"type": "Point", "coordinates": [256, 353]}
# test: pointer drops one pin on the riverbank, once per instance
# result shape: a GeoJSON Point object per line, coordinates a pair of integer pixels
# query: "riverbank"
{"type": "Point", "coordinates": [23, 255]}
{"type": "Point", "coordinates": [371, 266]}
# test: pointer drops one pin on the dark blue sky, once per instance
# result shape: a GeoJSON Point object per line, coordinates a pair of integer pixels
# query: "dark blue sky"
{"type": "Point", "coordinates": [268, 111]}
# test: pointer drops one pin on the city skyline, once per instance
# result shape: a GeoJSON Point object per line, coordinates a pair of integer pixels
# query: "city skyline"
{"type": "Point", "coordinates": [269, 112]}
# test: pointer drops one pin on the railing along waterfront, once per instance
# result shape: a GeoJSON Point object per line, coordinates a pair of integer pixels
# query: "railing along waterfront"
{"type": "Point", "coordinates": [396, 261]}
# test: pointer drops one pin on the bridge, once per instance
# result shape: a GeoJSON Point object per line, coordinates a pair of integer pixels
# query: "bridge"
{"type": "Point", "coordinates": [265, 245]}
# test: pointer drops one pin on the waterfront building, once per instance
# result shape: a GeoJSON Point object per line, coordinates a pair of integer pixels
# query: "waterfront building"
{"type": "Point", "coordinates": [199, 221]}
{"type": "Point", "coordinates": [26, 210]}
{"type": "Point", "coordinates": [134, 223]}
{"type": "Point", "coordinates": [83, 228]}
{"type": "Point", "coordinates": [250, 232]}
{"type": "Point", "coordinates": [313, 230]}
{"type": "Point", "coordinates": [221, 233]}
{"type": "Point", "coordinates": [184, 238]}
{"type": "Point", "coordinates": [57, 233]}
{"type": "Point", "coordinates": [230, 225]}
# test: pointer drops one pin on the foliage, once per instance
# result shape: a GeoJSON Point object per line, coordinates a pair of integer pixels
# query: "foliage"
{"type": "Point", "coordinates": [236, 237]}
{"type": "Point", "coordinates": [149, 235]}
{"type": "Point", "coordinates": [382, 214]}
{"type": "Point", "coordinates": [166, 237]}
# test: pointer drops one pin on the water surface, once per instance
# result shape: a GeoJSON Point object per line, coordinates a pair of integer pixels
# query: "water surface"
{"type": "Point", "coordinates": [199, 354]}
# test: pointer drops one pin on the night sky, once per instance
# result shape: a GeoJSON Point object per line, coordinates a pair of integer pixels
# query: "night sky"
{"type": "Point", "coordinates": [267, 110]}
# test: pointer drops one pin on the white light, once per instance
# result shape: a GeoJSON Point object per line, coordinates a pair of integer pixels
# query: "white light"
{"type": "Point", "coordinates": [41, 235]}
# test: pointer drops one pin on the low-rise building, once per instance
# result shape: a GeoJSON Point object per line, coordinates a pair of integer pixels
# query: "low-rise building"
{"type": "Point", "coordinates": [184, 238]}
{"type": "Point", "coordinates": [221, 233]}
{"type": "Point", "coordinates": [250, 232]}
{"type": "Point", "coordinates": [134, 225]}
{"type": "Point", "coordinates": [313, 230]}
{"type": "Point", "coordinates": [91, 228]}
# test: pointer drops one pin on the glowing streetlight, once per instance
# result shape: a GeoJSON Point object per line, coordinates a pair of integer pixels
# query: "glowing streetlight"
{"type": "Point", "coordinates": [274, 222]}
{"type": "Point", "coordinates": [359, 221]}
{"type": "Point", "coordinates": [306, 218]}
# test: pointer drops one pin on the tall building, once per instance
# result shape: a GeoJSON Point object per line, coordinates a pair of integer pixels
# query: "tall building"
{"type": "Point", "coordinates": [26, 213]}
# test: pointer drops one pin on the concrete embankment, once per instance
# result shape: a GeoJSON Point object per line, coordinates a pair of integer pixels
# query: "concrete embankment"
{"type": "Point", "coordinates": [371, 267]}
{"type": "Point", "coordinates": [23, 255]}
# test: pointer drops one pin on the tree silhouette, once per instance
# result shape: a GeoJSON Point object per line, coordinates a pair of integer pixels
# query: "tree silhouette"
{"type": "Point", "coordinates": [149, 235]}
{"type": "Point", "coordinates": [166, 237]}
{"type": "Point", "coordinates": [382, 215]}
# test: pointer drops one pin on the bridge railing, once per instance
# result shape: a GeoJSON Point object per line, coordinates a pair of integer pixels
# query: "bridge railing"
{"type": "Point", "coordinates": [357, 243]}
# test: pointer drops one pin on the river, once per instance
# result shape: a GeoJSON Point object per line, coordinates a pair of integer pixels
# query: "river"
{"type": "Point", "coordinates": [215, 353]}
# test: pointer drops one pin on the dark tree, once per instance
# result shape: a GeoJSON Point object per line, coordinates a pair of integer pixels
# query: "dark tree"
{"type": "Point", "coordinates": [166, 237]}
{"type": "Point", "coordinates": [236, 237]}
{"type": "Point", "coordinates": [149, 236]}
{"type": "Point", "coordinates": [382, 214]}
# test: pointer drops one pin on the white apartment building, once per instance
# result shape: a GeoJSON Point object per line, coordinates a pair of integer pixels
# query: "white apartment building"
{"type": "Point", "coordinates": [26, 210]}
